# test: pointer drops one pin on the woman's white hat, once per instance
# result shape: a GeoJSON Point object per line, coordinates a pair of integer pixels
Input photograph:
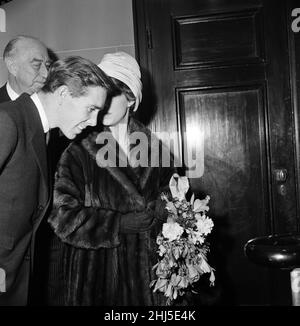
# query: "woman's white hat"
{"type": "Point", "coordinates": [124, 67]}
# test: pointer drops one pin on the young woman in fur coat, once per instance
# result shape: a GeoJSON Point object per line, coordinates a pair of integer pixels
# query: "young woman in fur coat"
{"type": "Point", "coordinates": [107, 208]}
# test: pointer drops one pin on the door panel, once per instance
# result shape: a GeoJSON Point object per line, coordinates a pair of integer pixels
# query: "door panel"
{"type": "Point", "coordinates": [220, 73]}
{"type": "Point", "coordinates": [230, 121]}
{"type": "Point", "coordinates": [231, 38]}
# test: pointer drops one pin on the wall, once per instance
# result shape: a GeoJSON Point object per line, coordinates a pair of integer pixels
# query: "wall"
{"type": "Point", "coordinates": [88, 28]}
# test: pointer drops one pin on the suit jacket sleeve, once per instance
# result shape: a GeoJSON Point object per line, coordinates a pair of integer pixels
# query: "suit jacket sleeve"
{"type": "Point", "coordinates": [8, 140]}
{"type": "Point", "coordinates": [8, 137]}
{"type": "Point", "coordinates": [76, 218]}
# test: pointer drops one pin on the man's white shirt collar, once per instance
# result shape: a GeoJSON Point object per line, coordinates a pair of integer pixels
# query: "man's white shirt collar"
{"type": "Point", "coordinates": [13, 96]}
{"type": "Point", "coordinates": [11, 93]}
{"type": "Point", "coordinates": [41, 110]}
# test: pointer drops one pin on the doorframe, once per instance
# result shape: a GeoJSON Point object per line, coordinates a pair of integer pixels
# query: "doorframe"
{"type": "Point", "coordinates": [294, 57]}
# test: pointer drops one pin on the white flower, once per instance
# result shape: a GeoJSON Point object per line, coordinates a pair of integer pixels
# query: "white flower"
{"type": "Point", "coordinates": [201, 205]}
{"type": "Point", "coordinates": [193, 273]}
{"type": "Point", "coordinates": [179, 186]}
{"type": "Point", "coordinates": [204, 225]}
{"type": "Point", "coordinates": [195, 237]}
{"type": "Point", "coordinates": [172, 231]}
{"type": "Point", "coordinates": [204, 266]}
{"type": "Point", "coordinates": [162, 249]}
{"type": "Point", "coordinates": [171, 208]}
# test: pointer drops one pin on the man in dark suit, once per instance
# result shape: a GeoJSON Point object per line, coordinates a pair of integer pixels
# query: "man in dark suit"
{"type": "Point", "coordinates": [74, 92]}
{"type": "Point", "coordinates": [27, 62]}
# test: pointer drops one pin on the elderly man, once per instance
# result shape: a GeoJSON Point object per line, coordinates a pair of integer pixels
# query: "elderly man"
{"type": "Point", "coordinates": [74, 92]}
{"type": "Point", "coordinates": [27, 62]}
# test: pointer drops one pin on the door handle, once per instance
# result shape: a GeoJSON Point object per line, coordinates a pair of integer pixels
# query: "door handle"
{"type": "Point", "coordinates": [280, 175]}
{"type": "Point", "coordinates": [280, 178]}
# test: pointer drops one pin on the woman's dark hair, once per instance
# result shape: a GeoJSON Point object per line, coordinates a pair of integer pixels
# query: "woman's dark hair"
{"type": "Point", "coordinates": [124, 89]}
{"type": "Point", "coordinates": [77, 74]}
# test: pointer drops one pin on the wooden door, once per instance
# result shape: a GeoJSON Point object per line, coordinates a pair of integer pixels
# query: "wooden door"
{"type": "Point", "coordinates": [220, 71]}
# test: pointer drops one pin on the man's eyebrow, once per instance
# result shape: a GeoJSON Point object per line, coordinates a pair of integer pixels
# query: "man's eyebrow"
{"type": "Point", "coordinates": [34, 60]}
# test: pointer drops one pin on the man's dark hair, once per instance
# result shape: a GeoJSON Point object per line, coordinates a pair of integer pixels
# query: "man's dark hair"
{"type": "Point", "coordinates": [77, 74]}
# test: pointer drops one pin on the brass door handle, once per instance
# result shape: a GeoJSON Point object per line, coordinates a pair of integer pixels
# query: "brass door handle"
{"type": "Point", "coordinates": [280, 175]}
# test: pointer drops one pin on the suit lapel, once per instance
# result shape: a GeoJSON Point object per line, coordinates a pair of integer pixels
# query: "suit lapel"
{"type": "Point", "coordinates": [4, 97]}
{"type": "Point", "coordinates": [40, 154]}
{"type": "Point", "coordinates": [37, 140]}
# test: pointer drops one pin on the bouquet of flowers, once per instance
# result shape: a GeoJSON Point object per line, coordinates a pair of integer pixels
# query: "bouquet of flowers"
{"type": "Point", "coordinates": [182, 247]}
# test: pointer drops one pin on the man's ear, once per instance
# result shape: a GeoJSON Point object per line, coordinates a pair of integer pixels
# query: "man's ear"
{"type": "Point", "coordinates": [11, 65]}
{"type": "Point", "coordinates": [62, 92]}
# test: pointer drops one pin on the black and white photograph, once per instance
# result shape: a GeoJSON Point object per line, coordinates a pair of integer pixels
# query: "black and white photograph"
{"type": "Point", "coordinates": [149, 156]}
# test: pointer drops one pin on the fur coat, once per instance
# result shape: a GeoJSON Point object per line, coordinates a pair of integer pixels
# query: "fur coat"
{"type": "Point", "coordinates": [102, 265]}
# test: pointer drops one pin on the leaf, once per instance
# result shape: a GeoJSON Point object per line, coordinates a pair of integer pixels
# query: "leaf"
{"type": "Point", "coordinates": [205, 267]}
{"type": "Point", "coordinates": [152, 283]}
{"type": "Point", "coordinates": [198, 268]}
{"type": "Point", "coordinates": [185, 251]}
{"type": "Point", "coordinates": [192, 199]}
{"type": "Point", "coordinates": [161, 285]}
{"type": "Point", "coordinates": [175, 294]}
{"type": "Point", "coordinates": [183, 282]}
{"type": "Point", "coordinates": [155, 266]}
{"type": "Point", "coordinates": [172, 262]}
{"type": "Point", "coordinates": [169, 301]}
{"type": "Point", "coordinates": [178, 279]}
{"type": "Point", "coordinates": [193, 273]}
{"type": "Point", "coordinates": [176, 252]}
{"type": "Point", "coordinates": [173, 280]}
{"type": "Point", "coordinates": [171, 208]}
{"type": "Point", "coordinates": [212, 277]}
{"type": "Point", "coordinates": [169, 290]}
{"type": "Point", "coordinates": [162, 250]}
